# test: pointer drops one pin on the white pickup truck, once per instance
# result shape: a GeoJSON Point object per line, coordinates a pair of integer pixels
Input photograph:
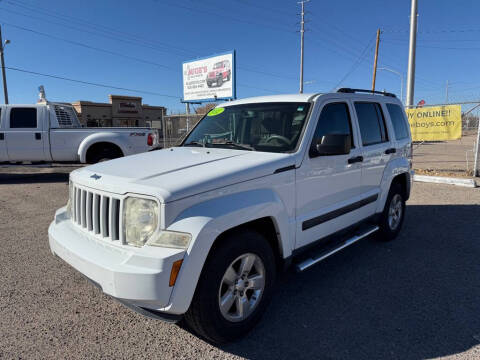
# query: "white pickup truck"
{"type": "Point", "coordinates": [51, 132]}
{"type": "Point", "coordinates": [200, 231]}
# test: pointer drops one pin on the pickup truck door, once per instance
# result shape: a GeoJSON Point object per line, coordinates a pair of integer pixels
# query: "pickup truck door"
{"type": "Point", "coordinates": [3, 142]}
{"type": "Point", "coordinates": [25, 135]}
{"type": "Point", "coordinates": [329, 188]}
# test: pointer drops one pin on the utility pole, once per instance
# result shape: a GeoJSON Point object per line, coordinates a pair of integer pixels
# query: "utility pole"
{"type": "Point", "coordinates": [2, 59]}
{"type": "Point", "coordinates": [446, 93]}
{"type": "Point", "coordinates": [302, 32]}
{"type": "Point", "coordinates": [411, 54]}
{"type": "Point", "coordinates": [375, 61]}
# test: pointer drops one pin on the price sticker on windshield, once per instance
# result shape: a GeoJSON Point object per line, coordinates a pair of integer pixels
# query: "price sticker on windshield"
{"type": "Point", "coordinates": [216, 111]}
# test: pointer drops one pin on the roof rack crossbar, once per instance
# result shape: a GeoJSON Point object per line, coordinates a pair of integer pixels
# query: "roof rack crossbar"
{"type": "Point", "coordinates": [352, 91]}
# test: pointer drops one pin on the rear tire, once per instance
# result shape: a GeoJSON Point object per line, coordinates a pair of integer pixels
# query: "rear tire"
{"type": "Point", "coordinates": [104, 155]}
{"type": "Point", "coordinates": [229, 302]}
{"type": "Point", "coordinates": [391, 219]}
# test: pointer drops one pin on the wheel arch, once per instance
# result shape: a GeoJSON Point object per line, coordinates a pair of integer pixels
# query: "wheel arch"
{"type": "Point", "coordinates": [210, 223]}
{"type": "Point", "coordinates": [398, 171]}
{"type": "Point", "coordinates": [99, 138]}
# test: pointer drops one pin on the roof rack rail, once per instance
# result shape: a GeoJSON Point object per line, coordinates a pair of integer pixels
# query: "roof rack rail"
{"type": "Point", "coordinates": [352, 91]}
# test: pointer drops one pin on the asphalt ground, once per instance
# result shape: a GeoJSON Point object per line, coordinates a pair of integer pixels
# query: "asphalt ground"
{"type": "Point", "coordinates": [417, 297]}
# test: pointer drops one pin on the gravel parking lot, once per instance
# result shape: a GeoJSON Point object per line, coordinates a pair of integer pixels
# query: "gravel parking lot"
{"type": "Point", "coordinates": [415, 298]}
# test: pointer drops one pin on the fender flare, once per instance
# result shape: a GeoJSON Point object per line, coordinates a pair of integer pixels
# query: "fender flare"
{"type": "Point", "coordinates": [207, 220]}
{"type": "Point", "coordinates": [96, 138]}
{"type": "Point", "coordinates": [394, 168]}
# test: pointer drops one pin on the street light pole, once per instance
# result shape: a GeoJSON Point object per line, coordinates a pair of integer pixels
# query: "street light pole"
{"type": "Point", "coordinates": [401, 79]}
{"type": "Point", "coordinates": [2, 59]}
{"type": "Point", "coordinates": [411, 54]}
{"type": "Point", "coordinates": [302, 32]}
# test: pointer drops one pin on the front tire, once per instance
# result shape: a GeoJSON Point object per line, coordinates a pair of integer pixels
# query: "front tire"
{"type": "Point", "coordinates": [234, 288]}
{"type": "Point", "coordinates": [393, 214]}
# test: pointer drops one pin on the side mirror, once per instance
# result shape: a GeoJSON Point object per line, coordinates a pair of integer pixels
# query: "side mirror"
{"type": "Point", "coordinates": [331, 144]}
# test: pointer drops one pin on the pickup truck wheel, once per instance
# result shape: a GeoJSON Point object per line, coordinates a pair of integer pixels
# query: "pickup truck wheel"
{"type": "Point", "coordinates": [234, 289]}
{"type": "Point", "coordinates": [391, 220]}
{"type": "Point", "coordinates": [220, 81]}
{"type": "Point", "coordinates": [104, 154]}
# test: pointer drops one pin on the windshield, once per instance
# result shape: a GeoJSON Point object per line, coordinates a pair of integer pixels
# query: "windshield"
{"type": "Point", "coordinates": [270, 127]}
{"type": "Point", "coordinates": [218, 65]}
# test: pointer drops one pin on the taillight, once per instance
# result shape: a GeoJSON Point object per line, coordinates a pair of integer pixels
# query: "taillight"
{"type": "Point", "coordinates": [150, 140]}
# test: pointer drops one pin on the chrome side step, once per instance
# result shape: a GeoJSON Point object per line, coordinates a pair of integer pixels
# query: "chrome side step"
{"type": "Point", "coordinates": [322, 256]}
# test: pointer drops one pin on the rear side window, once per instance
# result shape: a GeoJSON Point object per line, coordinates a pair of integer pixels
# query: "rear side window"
{"type": "Point", "coordinates": [398, 121]}
{"type": "Point", "coordinates": [334, 120]}
{"type": "Point", "coordinates": [23, 118]}
{"type": "Point", "coordinates": [371, 123]}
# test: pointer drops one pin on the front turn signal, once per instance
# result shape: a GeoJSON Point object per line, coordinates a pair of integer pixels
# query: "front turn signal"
{"type": "Point", "coordinates": [174, 273]}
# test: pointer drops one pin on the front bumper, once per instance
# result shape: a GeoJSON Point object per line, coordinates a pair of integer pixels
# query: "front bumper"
{"type": "Point", "coordinates": [137, 277]}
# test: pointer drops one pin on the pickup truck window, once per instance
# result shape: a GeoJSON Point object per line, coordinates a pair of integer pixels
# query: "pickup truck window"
{"type": "Point", "coordinates": [371, 123]}
{"type": "Point", "coordinates": [23, 118]}
{"type": "Point", "coordinates": [269, 127]}
{"type": "Point", "coordinates": [398, 121]}
{"type": "Point", "coordinates": [334, 120]}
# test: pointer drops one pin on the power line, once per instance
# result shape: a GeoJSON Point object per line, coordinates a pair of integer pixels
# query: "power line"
{"type": "Point", "coordinates": [118, 34]}
{"type": "Point", "coordinates": [223, 16]}
{"type": "Point", "coordinates": [89, 46]}
{"type": "Point", "coordinates": [77, 43]}
{"type": "Point", "coordinates": [82, 30]}
{"type": "Point", "coordinates": [90, 83]}
{"type": "Point", "coordinates": [358, 61]}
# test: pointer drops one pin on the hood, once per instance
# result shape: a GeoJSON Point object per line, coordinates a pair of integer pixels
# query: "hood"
{"type": "Point", "coordinates": [214, 73]}
{"type": "Point", "coordinates": [179, 172]}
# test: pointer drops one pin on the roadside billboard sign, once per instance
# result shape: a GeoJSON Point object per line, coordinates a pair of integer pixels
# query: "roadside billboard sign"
{"type": "Point", "coordinates": [211, 78]}
{"type": "Point", "coordinates": [435, 123]}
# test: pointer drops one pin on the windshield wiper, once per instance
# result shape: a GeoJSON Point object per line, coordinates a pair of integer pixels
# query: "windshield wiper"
{"type": "Point", "coordinates": [235, 145]}
{"type": "Point", "coordinates": [195, 143]}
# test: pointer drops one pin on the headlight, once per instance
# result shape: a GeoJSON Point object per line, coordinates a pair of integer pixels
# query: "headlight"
{"type": "Point", "coordinates": [70, 198]}
{"type": "Point", "coordinates": [171, 239]}
{"type": "Point", "coordinates": [140, 219]}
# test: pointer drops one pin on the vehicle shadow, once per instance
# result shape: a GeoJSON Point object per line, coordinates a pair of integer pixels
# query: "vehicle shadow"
{"type": "Point", "coordinates": [415, 297]}
{"type": "Point", "coordinates": [32, 178]}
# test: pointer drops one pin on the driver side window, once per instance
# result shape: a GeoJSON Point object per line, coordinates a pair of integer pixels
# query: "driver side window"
{"type": "Point", "coordinates": [334, 120]}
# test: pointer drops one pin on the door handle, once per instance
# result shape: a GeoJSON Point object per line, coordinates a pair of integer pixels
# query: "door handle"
{"type": "Point", "coordinates": [38, 136]}
{"type": "Point", "coordinates": [2, 136]}
{"type": "Point", "coordinates": [355, 159]}
{"type": "Point", "coordinates": [391, 151]}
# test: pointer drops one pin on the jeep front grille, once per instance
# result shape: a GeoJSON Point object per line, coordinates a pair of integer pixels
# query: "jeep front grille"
{"type": "Point", "coordinates": [97, 213]}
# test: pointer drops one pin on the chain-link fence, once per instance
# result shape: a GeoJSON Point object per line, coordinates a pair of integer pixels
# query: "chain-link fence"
{"type": "Point", "coordinates": [455, 158]}
{"type": "Point", "coordinates": [176, 127]}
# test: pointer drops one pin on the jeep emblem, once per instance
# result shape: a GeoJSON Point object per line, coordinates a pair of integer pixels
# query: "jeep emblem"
{"type": "Point", "coordinates": [95, 176]}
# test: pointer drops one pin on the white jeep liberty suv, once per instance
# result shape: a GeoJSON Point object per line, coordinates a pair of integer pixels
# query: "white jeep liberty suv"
{"type": "Point", "coordinates": [199, 231]}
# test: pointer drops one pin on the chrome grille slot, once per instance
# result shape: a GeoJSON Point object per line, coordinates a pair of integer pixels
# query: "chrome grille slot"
{"type": "Point", "coordinates": [89, 211]}
{"type": "Point", "coordinates": [104, 207]}
{"type": "Point", "coordinates": [83, 208]}
{"type": "Point", "coordinates": [114, 215]}
{"type": "Point", "coordinates": [97, 213]}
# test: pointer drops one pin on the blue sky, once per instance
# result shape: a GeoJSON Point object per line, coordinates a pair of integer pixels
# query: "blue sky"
{"type": "Point", "coordinates": [144, 43]}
